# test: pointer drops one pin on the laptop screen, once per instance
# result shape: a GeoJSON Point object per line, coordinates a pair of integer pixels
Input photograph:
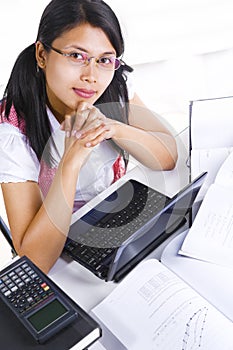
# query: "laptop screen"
{"type": "Point", "coordinates": [156, 231]}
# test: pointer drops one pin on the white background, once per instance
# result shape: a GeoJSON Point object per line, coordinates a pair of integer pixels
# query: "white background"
{"type": "Point", "coordinates": [181, 50]}
{"type": "Point", "coordinates": [153, 29]}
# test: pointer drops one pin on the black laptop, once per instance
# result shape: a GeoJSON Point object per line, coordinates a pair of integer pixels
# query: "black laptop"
{"type": "Point", "coordinates": [126, 226]}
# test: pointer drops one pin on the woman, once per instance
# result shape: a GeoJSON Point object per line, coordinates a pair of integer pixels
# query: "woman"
{"type": "Point", "coordinates": [71, 85]}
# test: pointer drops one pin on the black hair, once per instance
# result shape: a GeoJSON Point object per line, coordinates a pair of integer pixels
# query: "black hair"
{"type": "Point", "coordinates": [26, 88]}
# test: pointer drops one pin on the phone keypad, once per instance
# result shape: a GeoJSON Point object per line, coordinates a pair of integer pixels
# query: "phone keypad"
{"type": "Point", "coordinates": [23, 288]}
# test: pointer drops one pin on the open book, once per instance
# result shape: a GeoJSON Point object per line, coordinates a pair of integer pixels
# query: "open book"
{"type": "Point", "coordinates": [152, 308]}
{"type": "Point", "coordinates": [211, 236]}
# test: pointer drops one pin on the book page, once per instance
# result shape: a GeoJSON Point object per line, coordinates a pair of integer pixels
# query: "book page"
{"type": "Point", "coordinates": [153, 309]}
{"type": "Point", "coordinates": [225, 174]}
{"type": "Point", "coordinates": [212, 281]}
{"type": "Point", "coordinates": [211, 236]}
{"type": "Point", "coordinates": [210, 160]}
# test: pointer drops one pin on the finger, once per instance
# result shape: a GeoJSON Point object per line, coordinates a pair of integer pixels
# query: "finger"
{"type": "Point", "coordinates": [67, 125]}
{"type": "Point", "coordinates": [87, 118]}
{"type": "Point", "coordinates": [89, 131]}
{"type": "Point", "coordinates": [83, 105]}
{"type": "Point", "coordinates": [94, 114]}
{"type": "Point", "coordinates": [79, 121]}
{"type": "Point", "coordinates": [95, 137]}
{"type": "Point", "coordinates": [94, 120]}
{"type": "Point", "coordinates": [81, 116]}
{"type": "Point", "coordinates": [96, 141]}
{"type": "Point", "coordinates": [62, 126]}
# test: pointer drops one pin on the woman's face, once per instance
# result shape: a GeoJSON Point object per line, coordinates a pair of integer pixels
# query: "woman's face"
{"type": "Point", "coordinates": [68, 83]}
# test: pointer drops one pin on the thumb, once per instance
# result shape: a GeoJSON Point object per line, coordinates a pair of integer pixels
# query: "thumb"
{"type": "Point", "coordinates": [66, 125]}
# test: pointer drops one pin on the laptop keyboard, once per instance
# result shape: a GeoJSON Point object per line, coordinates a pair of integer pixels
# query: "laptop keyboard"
{"type": "Point", "coordinates": [99, 243]}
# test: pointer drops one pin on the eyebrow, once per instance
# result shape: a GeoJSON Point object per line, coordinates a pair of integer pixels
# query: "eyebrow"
{"type": "Point", "coordinates": [84, 50]}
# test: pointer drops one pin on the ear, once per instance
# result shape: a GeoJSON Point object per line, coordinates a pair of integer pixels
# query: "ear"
{"type": "Point", "coordinates": [41, 55]}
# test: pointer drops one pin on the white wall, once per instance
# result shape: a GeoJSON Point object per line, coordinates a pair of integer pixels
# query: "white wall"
{"type": "Point", "coordinates": [164, 29]}
{"type": "Point", "coordinates": [154, 30]}
{"type": "Point", "coordinates": [181, 50]}
{"type": "Point", "coordinates": [168, 86]}
{"type": "Point", "coordinates": [19, 20]}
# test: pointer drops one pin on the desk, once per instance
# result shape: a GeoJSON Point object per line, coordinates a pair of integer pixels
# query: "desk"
{"type": "Point", "coordinates": [83, 286]}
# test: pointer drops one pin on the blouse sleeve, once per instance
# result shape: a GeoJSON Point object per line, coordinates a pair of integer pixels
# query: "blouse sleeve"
{"type": "Point", "coordinates": [18, 162]}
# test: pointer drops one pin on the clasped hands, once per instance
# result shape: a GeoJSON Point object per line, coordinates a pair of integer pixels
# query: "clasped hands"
{"type": "Point", "coordinates": [88, 125]}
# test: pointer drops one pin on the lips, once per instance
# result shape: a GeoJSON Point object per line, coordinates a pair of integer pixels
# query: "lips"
{"type": "Point", "coordinates": [84, 93]}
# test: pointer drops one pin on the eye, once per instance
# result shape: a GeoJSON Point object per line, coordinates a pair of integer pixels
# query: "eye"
{"type": "Point", "coordinates": [77, 56]}
{"type": "Point", "coordinates": [107, 61]}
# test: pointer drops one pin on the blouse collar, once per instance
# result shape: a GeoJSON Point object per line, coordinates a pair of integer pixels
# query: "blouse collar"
{"type": "Point", "coordinates": [53, 121]}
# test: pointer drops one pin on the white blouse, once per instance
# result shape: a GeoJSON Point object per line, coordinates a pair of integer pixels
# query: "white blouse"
{"type": "Point", "coordinates": [19, 163]}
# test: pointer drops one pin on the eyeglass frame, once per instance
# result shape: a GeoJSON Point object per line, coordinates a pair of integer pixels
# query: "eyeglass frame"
{"type": "Point", "coordinates": [87, 60]}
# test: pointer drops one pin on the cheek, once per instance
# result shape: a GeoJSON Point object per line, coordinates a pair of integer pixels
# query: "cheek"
{"type": "Point", "coordinates": [58, 84]}
{"type": "Point", "coordinates": [56, 78]}
{"type": "Point", "coordinates": [105, 82]}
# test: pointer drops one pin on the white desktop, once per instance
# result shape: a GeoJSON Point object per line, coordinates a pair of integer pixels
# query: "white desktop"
{"type": "Point", "coordinates": [83, 286]}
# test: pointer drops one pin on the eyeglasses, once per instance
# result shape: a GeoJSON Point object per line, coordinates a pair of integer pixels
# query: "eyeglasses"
{"type": "Point", "coordinates": [81, 59]}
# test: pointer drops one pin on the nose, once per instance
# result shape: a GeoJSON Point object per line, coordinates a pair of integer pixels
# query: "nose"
{"type": "Point", "coordinates": [90, 71]}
